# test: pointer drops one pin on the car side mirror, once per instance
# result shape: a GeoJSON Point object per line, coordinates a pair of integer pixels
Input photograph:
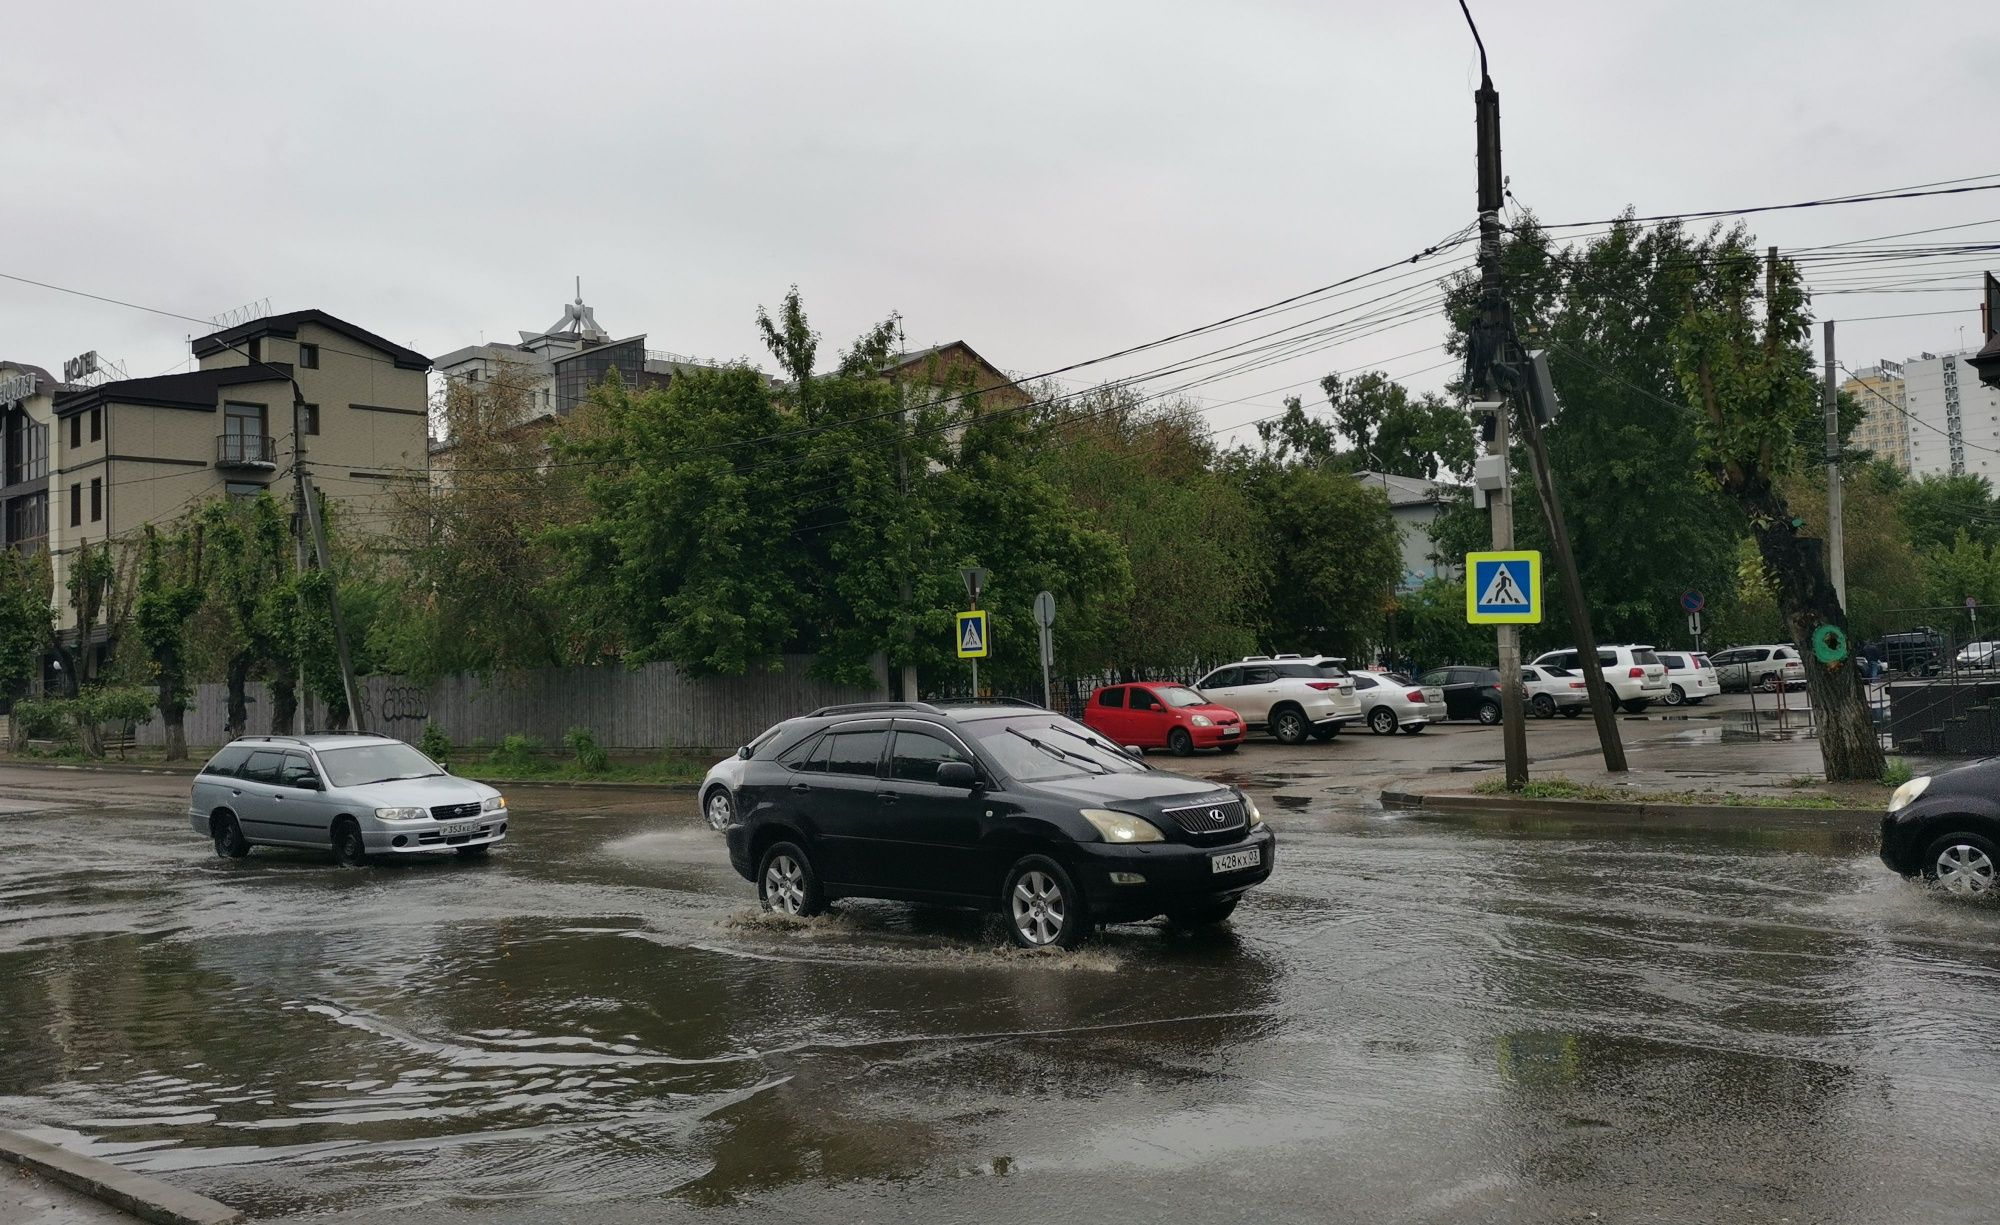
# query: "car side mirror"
{"type": "Point", "coordinates": [1133, 750]}
{"type": "Point", "coordinates": [959, 774]}
{"type": "Point", "coordinates": [744, 752]}
{"type": "Point", "coordinates": [308, 783]}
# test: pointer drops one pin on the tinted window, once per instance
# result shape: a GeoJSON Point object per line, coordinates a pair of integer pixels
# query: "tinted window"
{"type": "Point", "coordinates": [1310, 672]}
{"type": "Point", "coordinates": [1259, 676]}
{"type": "Point", "coordinates": [1645, 658]}
{"type": "Point", "coordinates": [1484, 676]}
{"type": "Point", "coordinates": [1725, 657]}
{"type": "Point", "coordinates": [297, 767]}
{"type": "Point", "coordinates": [1757, 656]}
{"type": "Point", "coordinates": [856, 752]}
{"type": "Point", "coordinates": [1143, 699]}
{"type": "Point", "coordinates": [1607, 659]}
{"type": "Point", "coordinates": [1223, 678]}
{"type": "Point", "coordinates": [1328, 668]}
{"type": "Point", "coordinates": [375, 763]}
{"type": "Point", "coordinates": [1050, 746]}
{"type": "Point", "coordinates": [262, 766]}
{"type": "Point", "coordinates": [1436, 676]}
{"type": "Point", "coordinates": [227, 761]}
{"type": "Point", "coordinates": [1114, 698]}
{"type": "Point", "coordinates": [918, 755]}
{"type": "Point", "coordinates": [801, 755]}
{"type": "Point", "coordinates": [1674, 661]}
{"type": "Point", "coordinates": [1363, 681]}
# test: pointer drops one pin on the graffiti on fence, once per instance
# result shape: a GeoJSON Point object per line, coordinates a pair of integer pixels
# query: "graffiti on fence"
{"type": "Point", "coordinates": [404, 703]}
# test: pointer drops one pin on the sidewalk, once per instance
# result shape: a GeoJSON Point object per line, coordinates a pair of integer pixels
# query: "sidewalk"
{"type": "Point", "coordinates": [27, 1198]}
{"type": "Point", "coordinates": [41, 1184]}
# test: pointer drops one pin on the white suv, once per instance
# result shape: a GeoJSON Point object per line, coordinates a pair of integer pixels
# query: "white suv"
{"type": "Point", "coordinates": [1293, 696]}
{"type": "Point", "coordinates": [1636, 676]}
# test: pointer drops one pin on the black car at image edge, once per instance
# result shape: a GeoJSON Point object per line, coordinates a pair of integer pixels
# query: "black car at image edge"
{"type": "Point", "coordinates": [1946, 828]}
{"type": "Point", "coordinates": [998, 807]}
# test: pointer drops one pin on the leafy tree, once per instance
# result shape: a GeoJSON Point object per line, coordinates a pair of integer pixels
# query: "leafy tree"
{"type": "Point", "coordinates": [1333, 550]}
{"type": "Point", "coordinates": [1937, 508]}
{"type": "Point", "coordinates": [1968, 568]}
{"type": "Point", "coordinates": [95, 594]}
{"type": "Point", "coordinates": [1389, 430]}
{"type": "Point", "coordinates": [170, 590]}
{"type": "Point", "coordinates": [1431, 629]}
{"type": "Point", "coordinates": [252, 592]}
{"type": "Point", "coordinates": [1740, 352]}
{"type": "Point", "coordinates": [27, 620]}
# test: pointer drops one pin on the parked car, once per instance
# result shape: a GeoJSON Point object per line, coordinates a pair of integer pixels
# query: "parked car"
{"type": "Point", "coordinates": [1000, 807]}
{"type": "Point", "coordinates": [1691, 678]}
{"type": "Point", "coordinates": [1920, 650]}
{"type": "Point", "coordinates": [1292, 696]}
{"type": "Point", "coordinates": [1634, 673]}
{"type": "Point", "coordinates": [1392, 702]}
{"type": "Point", "coordinates": [1469, 693]}
{"type": "Point", "coordinates": [1946, 828]}
{"type": "Point", "coordinates": [1553, 691]}
{"type": "Point", "coordinates": [1161, 715]}
{"type": "Point", "coordinates": [718, 786]}
{"type": "Point", "coordinates": [1978, 654]}
{"type": "Point", "coordinates": [1760, 667]}
{"type": "Point", "coordinates": [353, 795]}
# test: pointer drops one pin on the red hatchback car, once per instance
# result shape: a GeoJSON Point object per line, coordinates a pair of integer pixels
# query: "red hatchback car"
{"type": "Point", "coordinates": [1160, 715]}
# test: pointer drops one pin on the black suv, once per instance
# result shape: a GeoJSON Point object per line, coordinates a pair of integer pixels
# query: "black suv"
{"type": "Point", "coordinates": [1006, 807]}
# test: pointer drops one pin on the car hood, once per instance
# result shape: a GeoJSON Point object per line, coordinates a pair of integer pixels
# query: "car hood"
{"type": "Point", "coordinates": [1216, 711]}
{"type": "Point", "coordinates": [1100, 790]}
{"type": "Point", "coordinates": [421, 792]}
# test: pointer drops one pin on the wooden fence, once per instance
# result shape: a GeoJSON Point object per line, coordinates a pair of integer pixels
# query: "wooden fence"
{"type": "Point", "coordinates": [650, 707]}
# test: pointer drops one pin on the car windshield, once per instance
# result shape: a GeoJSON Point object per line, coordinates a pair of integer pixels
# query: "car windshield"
{"type": "Point", "coordinates": [1036, 748]}
{"type": "Point", "coordinates": [1181, 695]}
{"type": "Point", "coordinates": [375, 763]}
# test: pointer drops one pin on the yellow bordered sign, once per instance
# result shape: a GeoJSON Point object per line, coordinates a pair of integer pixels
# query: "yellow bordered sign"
{"type": "Point", "coordinates": [973, 642]}
{"type": "Point", "coordinates": [1503, 588]}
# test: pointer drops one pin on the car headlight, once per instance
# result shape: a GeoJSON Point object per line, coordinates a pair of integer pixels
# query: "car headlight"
{"type": "Point", "coordinates": [1122, 826]}
{"type": "Point", "coordinates": [493, 803]}
{"type": "Point", "coordinates": [1907, 794]}
{"type": "Point", "coordinates": [401, 814]}
{"type": "Point", "coordinates": [1250, 811]}
{"type": "Point", "coordinates": [1203, 721]}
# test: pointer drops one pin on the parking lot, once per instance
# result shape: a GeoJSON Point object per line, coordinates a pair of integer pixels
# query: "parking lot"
{"type": "Point", "coordinates": [1412, 1021]}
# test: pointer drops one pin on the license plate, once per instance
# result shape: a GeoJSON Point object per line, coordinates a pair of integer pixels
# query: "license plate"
{"type": "Point", "coordinates": [1234, 861]}
{"type": "Point", "coordinates": [1232, 730]}
{"type": "Point", "coordinates": [452, 831]}
{"type": "Point", "coordinates": [1434, 697]}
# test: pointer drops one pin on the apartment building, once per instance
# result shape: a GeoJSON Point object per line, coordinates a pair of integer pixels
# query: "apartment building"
{"type": "Point", "coordinates": [1954, 418]}
{"type": "Point", "coordinates": [1882, 395]}
{"type": "Point", "coordinates": [27, 415]}
{"type": "Point", "coordinates": [134, 452]}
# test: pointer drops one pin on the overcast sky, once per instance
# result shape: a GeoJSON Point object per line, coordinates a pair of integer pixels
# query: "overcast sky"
{"type": "Point", "coordinates": [1047, 181]}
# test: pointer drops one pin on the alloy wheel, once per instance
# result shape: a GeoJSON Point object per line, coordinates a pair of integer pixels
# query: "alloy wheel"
{"type": "Point", "coordinates": [1291, 727]}
{"type": "Point", "coordinates": [1964, 868]}
{"type": "Point", "coordinates": [1382, 721]}
{"type": "Point", "coordinates": [785, 885]}
{"type": "Point", "coordinates": [718, 809]}
{"type": "Point", "coordinates": [1039, 908]}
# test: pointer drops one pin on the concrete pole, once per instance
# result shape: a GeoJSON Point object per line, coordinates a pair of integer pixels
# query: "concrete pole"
{"type": "Point", "coordinates": [1836, 535]}
{"type": "Point", "coordinates": [1513, 712]}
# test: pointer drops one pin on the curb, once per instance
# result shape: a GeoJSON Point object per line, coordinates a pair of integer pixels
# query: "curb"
{"type": "Point", "coordinates": [149, 1199]}
{"type": "Point", "coordinates": [1732, 814]}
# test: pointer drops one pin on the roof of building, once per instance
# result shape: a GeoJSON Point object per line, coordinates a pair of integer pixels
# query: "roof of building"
{"type": "Point", "coordinates": [287, 325]}
{"type": "Point", "coordinates": [191, 389]}
{"type": "Point", "coordinates": [1405, 490]}
{"type": "Point", "coordinates": [46, 383]}
{"type": "Point", "coordinates": [907, 361]}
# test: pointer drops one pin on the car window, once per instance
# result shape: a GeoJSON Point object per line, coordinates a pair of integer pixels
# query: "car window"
{"type": "Point", "coordinates": [1328, 668]}
{"type": "Point", "coordinates": [1436, 676]}
{"type": "Point", "coordinates": [1486, 676]}
{"type": "Point", "coordinates": [917, 755]}
{"type": "Point", "coordinates": [858, 753]}
{"type": "Point", "coordinates": [805, 755]}
{"type": "Point", "coordinates": [297, 768]}
{"type": "Point", "coordinates": [1039, 747]}
{"type": "Point", "coordinates": [1702, 661]}
{"type": "Point", "coordinates": [1114, 698]}
{"type": "Point", "coordinates": [262, 767]}
{"type": "Point", "coordinates": [227, 762]}
{"type": "Point", "coordinates": [1143, 699]}
{"type": "Point", "coordinates": [1757, 656]}
{"type": "Point", "coordinates": [1556, 672]}
{"type": "Point", "coordinates": [1222, 678]}
{"type": "Point", "coordinates": [1726, 657]}
{"type": "Point", "coordinates": [1309, 672]}
{"type": "Point", "coordinates": [385, 762]}
{"type": "Point", "coordinates": [1363, 681]}
{"type": "Point", "coordinates": [1181, 695]}
{"type": "Point", "coordinates": [1676, 662]}
{"type": "Point", "coordinates": [1259, 676]}
{"type": "Point", "coordinates": [1645, 657]}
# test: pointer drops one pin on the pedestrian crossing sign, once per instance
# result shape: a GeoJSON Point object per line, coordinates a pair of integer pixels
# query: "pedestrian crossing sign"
{"type": "Point", "coordinates": [1503, 588]}
{"type": "Point", "coordinates": [972, 640]}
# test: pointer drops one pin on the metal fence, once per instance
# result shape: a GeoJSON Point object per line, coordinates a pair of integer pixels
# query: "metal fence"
{"type": "Point", "coordinates": [651, 707]}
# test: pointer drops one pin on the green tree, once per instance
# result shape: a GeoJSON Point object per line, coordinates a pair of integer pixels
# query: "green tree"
{"type": "Point", "coordinates": [1389, 430]}
{"type": "Point", "coordinates": [252, 588]}
{"type": "Point", "coordinates": [1937, 508]}
{"type": "Point", "coordinates": [1431, 629]}
{"type": "Point", "coordinates": [170, 591]}
{"type": "Point", "coordinates": [1968, 568]}
{"type": "Point", "coordinates": [1334, 553]}
{"type": "Point", "coordinates": [27, 620]}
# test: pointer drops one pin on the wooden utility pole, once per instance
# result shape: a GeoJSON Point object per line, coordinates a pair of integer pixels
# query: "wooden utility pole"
{"type": "Point", "coordinates": [1836, 542]}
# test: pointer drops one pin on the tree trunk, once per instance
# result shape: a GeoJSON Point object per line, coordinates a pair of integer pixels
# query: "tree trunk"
{"type": "Point", "coordinates": [89, 737]}
{"type": "Point", "coordinates": [284, 703]}
{"type": "Point", "coordinates": [237, 721]}
{"type": "Point", "coordinates": [174, 719]}
{"type": "Point", "coordinates": [1848, 746]}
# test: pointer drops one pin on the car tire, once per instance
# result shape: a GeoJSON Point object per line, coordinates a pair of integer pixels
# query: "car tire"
{"type": "Point", "coordinates": [1768, 683]}
{"type": "Point", "coordinates": [787, 883]}
{"type": "Point", "coordinates": [1676, 695]}
{"type": "Point", "coordinates": [1635, 706]}
{"type": "Point", "coordinates": [1545, 706]}
{"type": "Point", "coordinates": [1571, 712]}
{"type": "Point", "coordinates": [1324, 734]}
{"type": "Point", "coordinates": [1180, 743]}
{"type": "Point", "coordinates": [475, 852]}
{"type": "Point", "coordinates": [1289, 726]}
{"type": "Point", "coordinates": [349, 849]}
{"type": "Point", "coordinates": [1208, 914]}
{"type": "Point", "coordinates": [229, 840]}
{"type": "Point", "coordinates": [1382, 721]}
{"type": "Point", "coordinates": [719, 809]}
{"type": "Point", "coordinates": [1964, 863]}
{"type": "Point", "coordinates": [1698, 701]}
{"type": "Point", "coordinates": [1228, 748]}
{"type": "Point", "coordinates": [1414, 728]}
{"type": "Point", "coordinates": [1042, 907]}
{"type": "Point", "coordinates": [1490, 713]}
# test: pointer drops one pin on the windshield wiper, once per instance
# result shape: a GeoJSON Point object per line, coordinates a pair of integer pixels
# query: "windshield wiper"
{"type": "Point", "coordinates": [1057, 751]}
{"type": "Point", "coordinates": [1095, 743]}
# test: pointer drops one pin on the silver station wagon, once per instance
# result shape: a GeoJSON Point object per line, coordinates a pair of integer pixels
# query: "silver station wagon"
{"type": "Point", "coordinates": [354, 795]}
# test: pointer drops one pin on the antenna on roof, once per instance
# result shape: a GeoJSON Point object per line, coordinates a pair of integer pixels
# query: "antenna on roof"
{"type": "Point", "coordinates": [242, 314]}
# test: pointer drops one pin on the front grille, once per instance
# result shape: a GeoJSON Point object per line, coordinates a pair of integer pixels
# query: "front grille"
{"type": "Point", "coordinates": [1220, 817]}
{"type": "Point", "coordinates": [456, 812]}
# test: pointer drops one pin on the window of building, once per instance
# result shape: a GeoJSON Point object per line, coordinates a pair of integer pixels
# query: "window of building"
{"type": "Point", "coordinates": [472, 375]}
{"type": "Point", "coordinates": [76, 431]}
{"type": "Point", "coordinates": [243, 489]}
{"type": "Point", "coordinates": [96, 498]}
{"type": "Point", "coordinates": [255, 348]}
{"type": "Point", "coordinates": [308, 357]}
{"type": "Point", "coordinates": [309, 418]}
{"type": "Point", "coordinates": [96, 424]}
{"type": "Point", "coordinates": [76, 504]}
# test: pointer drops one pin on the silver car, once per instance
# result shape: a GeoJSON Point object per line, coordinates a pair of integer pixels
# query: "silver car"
{"type": "Point", "coordinates": [1393, 702]}
{"type": "Point", "coordinates": [718, 786]}
{"type": "Point", "coordinates": [354, 795]}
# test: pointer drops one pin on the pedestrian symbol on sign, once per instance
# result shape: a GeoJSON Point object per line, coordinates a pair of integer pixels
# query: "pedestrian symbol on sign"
{"type": "Point", "coordinates": [972, 642]}
{"type": "Point", "coordinates": [1503, 588]}
{"type": "Point", "coordinates": [1503, 591]}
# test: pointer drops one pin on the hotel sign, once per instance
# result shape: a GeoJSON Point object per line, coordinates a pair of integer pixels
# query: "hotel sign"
{"type": "Point", "coordinates": [18, 386]}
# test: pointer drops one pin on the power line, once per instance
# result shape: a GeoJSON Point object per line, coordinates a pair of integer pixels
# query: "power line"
{"type": "Point", "coordinates": [1940, 188]}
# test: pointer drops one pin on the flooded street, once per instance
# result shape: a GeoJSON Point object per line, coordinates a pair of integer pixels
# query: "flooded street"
{"type": "Point", "coordinates": [1413, 1021]}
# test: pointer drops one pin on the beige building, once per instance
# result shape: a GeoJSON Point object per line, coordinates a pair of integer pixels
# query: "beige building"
{"type": "Point", "coordinates": [1885, 422]}
{"type": "Point", "coordinates": [134, 452]}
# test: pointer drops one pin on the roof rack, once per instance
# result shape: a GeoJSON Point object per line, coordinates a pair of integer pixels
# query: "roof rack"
{"type": "Point", "coordinates": [991, 702]}
{"type": "Point", "coordinates": [863, 708]}
{"type": "Point", "coordinates": [276, 736]}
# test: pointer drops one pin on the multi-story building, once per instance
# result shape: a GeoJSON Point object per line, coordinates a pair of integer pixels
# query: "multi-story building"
{"type": "Point", "coordinates": [27, 414]}
{"type": "Point", "coordinates": [1885, 424]}
{"type": "Point", "coordinates": [1954, 418]}
{"type": "Point", "coordinates": [134, 452]}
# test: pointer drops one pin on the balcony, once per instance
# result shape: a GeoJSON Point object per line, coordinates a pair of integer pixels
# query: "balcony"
{"type": "Point", "coordinates": [249, 451]}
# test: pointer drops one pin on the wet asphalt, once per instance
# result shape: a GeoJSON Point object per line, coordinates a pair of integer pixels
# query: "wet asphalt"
{"type": "Point", "coordinates": [1413, 1021]}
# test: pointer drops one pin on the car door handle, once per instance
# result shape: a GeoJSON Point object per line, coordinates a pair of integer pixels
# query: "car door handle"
{"type": "Point", "coordinates": [802, 788]}
{"type": "Point", "coordinates": [887, 797]}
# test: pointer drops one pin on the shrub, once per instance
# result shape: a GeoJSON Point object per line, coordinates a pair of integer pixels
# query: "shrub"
{"type": "Point", "coordinates": [590, 758]}
{"type": "Point", "coordinates": [516, 752]}
{"type": "Point", "coordinates": [435, 744]}
{"type": "Point", "coordinates": [118, 704]}
{"type": "Point", "coordinates": [42, 719]}
{"type": "Point", "coordinates": [1896, 772]}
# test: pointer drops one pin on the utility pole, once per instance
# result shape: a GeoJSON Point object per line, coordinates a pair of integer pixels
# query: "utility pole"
{"type": "Point", "coordinates": [309, 509]}
{"type": "Point", "coordinates": [1836, 535]}
{"type": "Point", "coordinates": [299, 708]}
{"type": "Point", "coordinates": [903, 592]}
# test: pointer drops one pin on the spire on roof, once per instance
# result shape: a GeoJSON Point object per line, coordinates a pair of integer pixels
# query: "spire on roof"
{"type": "Point", "coordinates": [579, 319]}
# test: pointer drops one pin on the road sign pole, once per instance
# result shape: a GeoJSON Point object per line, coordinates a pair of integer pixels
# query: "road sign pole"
{"type": "Point", "coordinates": [1045, 618]}
{"type": "Point", "coordinates": [1513, 712]}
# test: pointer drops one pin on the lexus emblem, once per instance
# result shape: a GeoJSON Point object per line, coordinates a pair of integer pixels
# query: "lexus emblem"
{"type": "Point", "coordinates": [1215, 816]}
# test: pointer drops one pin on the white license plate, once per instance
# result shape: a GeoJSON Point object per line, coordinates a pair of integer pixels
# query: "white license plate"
{"type": "Point", "coordinates": [1232, 731]}
{"type": "Point", "coordinates": [1434, 697]}
{"type": "Point", "coordinates": [1234, 861]}
{"type": "Point", "coordinates": [453, 831]}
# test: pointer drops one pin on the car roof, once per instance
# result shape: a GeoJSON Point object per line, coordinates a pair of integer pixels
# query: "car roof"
{"type": "Point", "coordinates": [953, 711]}
{"type": "Point", "coordinates": [315, 741]}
